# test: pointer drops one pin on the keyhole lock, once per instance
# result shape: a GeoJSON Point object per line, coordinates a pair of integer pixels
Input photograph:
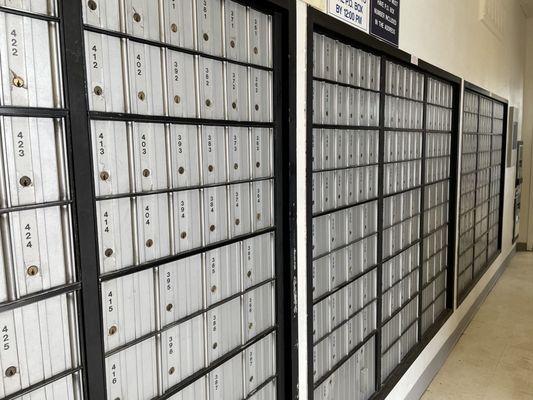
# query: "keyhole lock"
{"type": "Point", "coordinates": [108, 252]}
{"type": "Point", "coordinates": [92, 5]}
{"type": "Point", "coordinates": [11, 371]}
{"type": "Point", "coordinates": [208, 103]}
{"type": "Point", "coordinates": [234, 105]}
{"type": "Point", "coordinates": [174, 28]}
{"type": "Point", "coordinates": [212, 228]}
{"type": "Point", "coordinates": [256, 50]}
{"type": "Point", "coordinates": [137, 17]}
{"type": "Point", "coordinates": [169, 307]}
{"type": "Point", "coordinates": [104, 175]}
{"type": "Point", "coordinates": [258, 216]}
{"type": "Point", "coordinates": [235, 166]}
{"type": "Point", "coordinates": [177, 99]}
{"type": "Point", "coordinates": [32, 270]}
{"type": "Point", "coordinates": [98, 90]}
{"type": "Point", "coordinates": [215, 345]}
{"type": "Point", "coordinates": [18, 81]}
{"type": "Point", "coordinates": [183, 235]}
{"type": "Point", "coordinates": [141, 95]}
{"type": "Point", "coordinates": [146, 173]}
{"type": "Point", "coordinates": [210, 168]}
{"type": "Point", "coordinates": [25, 181]}
{"type": "Point", "coordinates": [232, 44]}
{"type": "Point", "coordinates": [213, 288]}
{"type": "Point", "coordinates": [250, 325]}
{"type": "Point", "coordinates": [249, 274]}
{"type": "Point", "coordinates": [206, 37]}
{"type": "Point", "coordinates": [237, 221]}
{"type": "Point", "coordinates": [171, 371]}
{"type": "Point", "coordinates": [149, 243]}
{"type": "Point", "coordinates": [257, 107]}
{"type": "Point", "coordinates": [112, 330]}
{"type": "Point", "coordinates": [257, 164]}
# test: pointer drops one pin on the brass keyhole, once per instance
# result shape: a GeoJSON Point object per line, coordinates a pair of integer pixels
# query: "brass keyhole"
{"type": "Point", "coordinates": [232, 43]}
{"type": "Point", "coordinates": [206, 37]}
{"type": "Point", "coordinates": [169, 307]}
{"type": "Point", "coordinates": [137, 17]}
{"type": "Point", "coordinates": [32, 270]}
{"type": "Point", "coordinates": [25, 181]}
{"type": "Point", "coordinates": [210, 168]}
{"type": "Point", "coordinates": [212, 228]}
{"type": "Point", "coordinates": [174, 28]}
{"type": "Point", "coordinates": [18, 81]}
{"type": "Point", "coordinates": [108, 252]}
{"type": "Point", "coordinates": [237, 221]}
{"type": "Point", "coordinates": [98, 90]}
{"type": "Point", "coordinates": [146, 173]}
{"type": "Point", "coordinates": [171, 370]}
{"type": "Point", "coordinates": [104, 175]}
{"type": "Point", "coordinates": [208, 103]}
{"type": "Point", "coordinates": [92, 4]}
{"type": "Point", "coordinates": [177, 99]}
{"type": "Point", "coordinates": [149, 243]}
{"type": "Point", "coordinates": [112, 330]}
{"type": "Point", "coordinates": [11, 371]}
{"type": "Point", "coordinates": [141, 95]}
{"type": "Point", "coordinates": [183, 235]}
{"type": "Point", "coordinates": [181, 170]}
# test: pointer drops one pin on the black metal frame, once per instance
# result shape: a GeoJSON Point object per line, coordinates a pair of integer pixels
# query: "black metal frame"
{"type": "Point", "coordinates": [322, 23]}
{"type": "Point", "coordinates": [79, 149]}
{"type": "Point", "coordinates": [476, 277]}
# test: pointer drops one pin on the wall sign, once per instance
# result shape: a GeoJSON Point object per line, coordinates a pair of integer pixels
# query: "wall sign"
{"type": "Point", "coordinates": [385, 20]}
{"type": "Point", "coordinates": [352, 12]}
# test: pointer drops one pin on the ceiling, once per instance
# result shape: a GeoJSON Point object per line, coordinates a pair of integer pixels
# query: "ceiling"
{"type": "Point", "coordinates": [527, 6]}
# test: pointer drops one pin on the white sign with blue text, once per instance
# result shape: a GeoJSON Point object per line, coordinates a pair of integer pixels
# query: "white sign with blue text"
{"type": "Point", "coordinates": [353, 12]}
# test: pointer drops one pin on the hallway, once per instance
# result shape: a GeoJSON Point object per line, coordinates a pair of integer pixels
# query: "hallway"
{"type": "Point", "coordinates": [493, 360]}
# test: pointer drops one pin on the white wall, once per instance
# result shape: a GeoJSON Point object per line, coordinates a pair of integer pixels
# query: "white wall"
{"type": "Point", "coordinates": [526, 215]}
{"type": "Point", "coordinates": [450, 35]}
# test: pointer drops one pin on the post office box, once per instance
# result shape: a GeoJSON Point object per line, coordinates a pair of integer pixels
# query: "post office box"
{"type": "Point", "coordinates": [328, 142]}
{"type": "Point", "coordinates": [115, 237]}
{"type": "Point", "coordinates": [37, 344]}
{"type": "Point", "coordinates": [223, 329]}
{"type": "Point", "coordinates": [183, 351]}
{"type": "Point", "coordinates": [316, 192]}
{"type": "Point", "coordinates": [342, 105]}
{"type": "Point", "coordinates": [153, 226]}
{"type": "Point", "coordinates": [340, 190]}
{"type": "Point", "coordinates": [318, 103]}
{"type": "Point", "coordinates": [259, 363]}
{"type": "Point", "coordinates": [338, 346]}
{"type": "Point", "coordinates": [149, 152]}
{"type": "Point", "coordinates": [320, 234]}
{"type": "Point", "coordinates": [196, 390]}
{"type": "Point", "coordinates": [341, 138]}
{"type": "Point", "coordinates": [260, 95]}
{"type": "Point", "coordinates": [330, 56]}
{"type": "Point", "coordinates": [262, 152]}
{"type": "Point", "coordinates": [337, 225]}
{"type": "Point", "coordinates": [260, 38]}
{"type": "Point", "coordinates": [102, 14]}
{"type": "Point", "coordinates": [362, 69]}
{"type": "Point", "coordinates": [187, 231]}
{"type": "Point", "coordinates": [41, 248]}
{"type": "Point", "coordinates": [215, 207]}
{"type": "Point", "coordinates": [110, 157]}
{"type": "Point", "coordinates": [352, 190]}
{"type": "Point", "coordinates": [128, 308]}
{"type": "Point", "coordinates": [321, 276]}
{"type": "Point", "coordinates": [146, 79]}
{"type": "Point", "coordinates": [342, 72]}
{"type": "Point", "coordinates": [329, 97]}
{"type": "Point", "coordinates": [321, 319]}
{"type": "Point", "coordinates": [209, 26]}
{"type": "Point", "coordinates": [184, 157]}
{"type": "Point", "coordinates": [258, 310]}
{"type": "Point", "coordinates": [234, 22]}
{"type": "Point", "coordinates": [179, 23]}
{"type": "Point", "coordinates": [181, 88]}
{"type": "Point", "coordinates": [225, 381]}
{"type": "Point", "coordinates": [321, 359]}
{"type": "Point", "coordinates": [105, 79]}
{"type": "Point", "coordinates": [142, 19]}
{"type": "Point", "coordinates": [30, 62]}
{"type": "Point", "coordinates": [180, 288]}
{"type": "Point", "coordinates": [364, 108]}
{"type": "Point", "coordinates": [237, 92]}
{"type": "Point", "coordinates": [353, 106]}
{"type": "Point", "coordinates": [63, 388]}
{"type": "Point", "coordinates": [338, 312]}
{"type": "Point", "coordinates": [222, 272]}
{"type": "Point", "coordinates": [211, 87]}
{"type": "Point", "coordinates": [338, 268]}
{"type": "Point", "coordinates": [132, 372]}
{"type": "Point", "coordinates": [239, 209]}
{"type": "Point", "coordinates": [213, 154]}
{"type": "Point", "coordinates": [34, 160]}
{"type": "Point", "coordinates": [262, 213]}
{"type": "Point", "coordinates": [258, 259]}
{"type": "Point", "coordinates": [317, 149]}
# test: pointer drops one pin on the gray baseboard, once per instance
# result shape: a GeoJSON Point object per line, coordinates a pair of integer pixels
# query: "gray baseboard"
{"type": "Point", "coordinates": [436, 364]}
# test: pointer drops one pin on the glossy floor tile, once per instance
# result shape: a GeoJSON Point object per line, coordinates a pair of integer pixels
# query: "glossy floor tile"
{"type": "Point", "coordinates": [493, 359]}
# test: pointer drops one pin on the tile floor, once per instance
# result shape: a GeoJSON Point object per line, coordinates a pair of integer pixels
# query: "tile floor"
{"type": "Point", "coordinates": [493, 359]}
